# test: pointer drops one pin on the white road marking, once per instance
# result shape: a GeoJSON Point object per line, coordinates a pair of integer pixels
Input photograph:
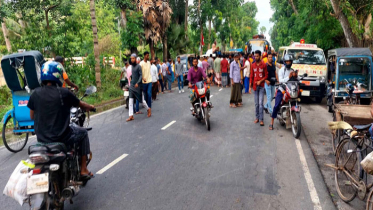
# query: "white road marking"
{"type": "Point", "coordinates": [220, 89]}
{"type": "Point", "coordinates": [307, 175]}
{"type": "Point", "coordinates": [111, 164]}
{"type": "Point", "coordinates": [168, 125]}
{"type": "Point", "coordinates": [211, 96]}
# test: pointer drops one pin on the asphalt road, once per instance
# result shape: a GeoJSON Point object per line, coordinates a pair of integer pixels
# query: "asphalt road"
{"type": "Point", "coordinates": [236, 165]}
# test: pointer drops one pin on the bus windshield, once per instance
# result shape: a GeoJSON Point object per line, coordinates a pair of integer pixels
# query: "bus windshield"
{"type": "Point", "coordinates": [311, 57]}
{"type": "Point", "coordinates": [257, 45]}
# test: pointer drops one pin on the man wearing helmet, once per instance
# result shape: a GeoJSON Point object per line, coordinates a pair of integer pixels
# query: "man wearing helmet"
{"type": "Point", "coordinates": [285, 74]}
{"type": "Point", "coordinates": [50, 109]}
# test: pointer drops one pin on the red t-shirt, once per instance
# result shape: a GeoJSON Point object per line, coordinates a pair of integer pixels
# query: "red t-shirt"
{"type": "Point", "coordinates": [224, 66]}
{"type": "Point", "coordinates": [258, 72]}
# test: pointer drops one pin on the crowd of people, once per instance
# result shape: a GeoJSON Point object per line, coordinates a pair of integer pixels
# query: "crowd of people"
{"type": "Point", "coordinates": [243, 73]}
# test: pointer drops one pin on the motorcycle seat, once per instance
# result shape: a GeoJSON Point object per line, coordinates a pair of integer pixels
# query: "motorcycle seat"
{"type": "Point", "coordinates": [54, 148]}
{"type": "Point", "coordinates": [362, 127]}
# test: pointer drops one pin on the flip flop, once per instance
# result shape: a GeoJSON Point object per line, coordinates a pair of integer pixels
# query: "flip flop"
{"type": "Point", "coordinates": [256, 121]}
{"type": "Point", "coordinates": [139, 113]}
{"type": "Point", "coordinates": [261, 123]}
{"type": "Point", "coordinates": [88, 176]}
{"type": "Point", "coordinates": [270, 127]}
{"type": "Point", "coordinates": [232, 106]}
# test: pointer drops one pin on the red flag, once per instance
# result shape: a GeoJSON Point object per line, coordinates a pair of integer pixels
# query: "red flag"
{"type": "Point", "coordinates": [202, 40]}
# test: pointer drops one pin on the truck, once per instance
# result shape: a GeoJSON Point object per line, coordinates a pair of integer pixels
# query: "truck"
{"type": "Point", "coordinates": [258, 42]}
{"type": "Point", "coordinates": [310, 59]}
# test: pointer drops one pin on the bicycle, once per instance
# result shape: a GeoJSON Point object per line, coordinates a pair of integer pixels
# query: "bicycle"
{"type": "Point", "coordinates": [350, 178]}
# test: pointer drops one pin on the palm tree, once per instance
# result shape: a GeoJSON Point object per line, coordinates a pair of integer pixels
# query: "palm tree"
{"type": "Point", "coordinates": [157, 18]}
{"type": "Point", "coordinates": [95, 43]}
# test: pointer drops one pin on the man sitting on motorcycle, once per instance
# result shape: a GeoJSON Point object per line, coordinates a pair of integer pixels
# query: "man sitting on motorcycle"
{"type": "Point", "coordinates": [197, 74]}
{"type": "Point", "coordinates": [50, 108]}
{"type": "Point", "coordinates": [285, 74]}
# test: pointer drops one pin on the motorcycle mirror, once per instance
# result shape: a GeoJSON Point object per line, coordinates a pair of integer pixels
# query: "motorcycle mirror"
{"type": "Point", "coordinates": [90, 90]}
{"type": "Point", "coordinates": [305, 75]}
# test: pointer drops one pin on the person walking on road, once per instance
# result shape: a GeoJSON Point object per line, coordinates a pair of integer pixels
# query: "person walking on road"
{"type": "Point", "coordinates": [147, 80]}
{"type": "Point", "coordinates": [154, 73]}
{"type": "Point", "coordinates": [211, 69]}
{"type": "Point", "coordinates": [217, 68]}
{"type": "Point", "coordinates": [258, 75]}
{"type": "Point", "coordinates": [270, 84]}
{"type": "Point", "coordinates": [205, 66]}
{"type": "Point", "coordinates": [170, 74]}
{"type": "Point", "coordinates": [135, 88]}
{"type": "Point", "coordinates": [236, 81]}
{"type": "Point", "coordinates": [224, 71]}
{"type": "Point", "coordinates": [247, 74]}
{"type": "Point", "coordinates": [160, 80]}
{"type": "Point", "coordinates": [164, 74]}
{"type": "Point", "coordinates": [179, 71]}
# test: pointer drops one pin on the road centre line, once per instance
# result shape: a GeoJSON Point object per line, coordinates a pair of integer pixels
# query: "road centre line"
{"type": "Point", "coordinates": [111, 164]}
{"type": "Point", "coordinates": [211, 96]}
{"type": "Point", "coordinates": [307, 175]}
{"type": "Point", "coordinates": [168, 125]}
{"type": "Point", "coordinates": [220, 89]}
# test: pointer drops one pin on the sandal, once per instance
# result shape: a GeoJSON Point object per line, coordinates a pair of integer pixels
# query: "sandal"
{"type": "Point", "coordinates": [261, 123]}
{"type": "Point", "coordinates": [139, 113]}
{"type": "Point", "coordinates": [256, 121]}
{"type": "Point", "coordinates": [130, 119]}
{"type": "Point", "coordinates": [232, 106]}
{"type": "Point", "coordinates": [270, 127]}
{"type": "Point", "coordinates": [87, 176]}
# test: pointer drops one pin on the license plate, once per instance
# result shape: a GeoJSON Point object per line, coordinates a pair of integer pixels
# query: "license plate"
{"type": "Point", "coordinates": [37, 184]}
{"type": "Point", "coordinates": [306, 93]}
{"type": "Point", "coordinates": [126, 93]}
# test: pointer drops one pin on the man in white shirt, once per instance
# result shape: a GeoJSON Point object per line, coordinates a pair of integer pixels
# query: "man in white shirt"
{"type": "Point", "coordinates": [199, 62]}
{"type": "Point", "coordinates": [246, 74]}
{"type": "Point", "coordinates": [285, 74]}
{"type": "Point", "coordinates": [154, 73]}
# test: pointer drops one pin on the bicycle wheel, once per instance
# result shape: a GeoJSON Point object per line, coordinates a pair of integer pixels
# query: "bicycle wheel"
{"type": "Point", "coordinates": [13, 142]}
{"type": "Point", "coordinates": [347, 157]}
{"type": "Point", "coordinates": [369, 205]}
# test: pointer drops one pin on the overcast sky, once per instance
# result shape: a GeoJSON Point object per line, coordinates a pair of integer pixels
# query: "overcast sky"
{"type": "Point", "coordinates": [264, 14]}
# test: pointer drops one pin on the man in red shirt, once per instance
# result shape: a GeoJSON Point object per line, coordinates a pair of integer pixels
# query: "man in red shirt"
{"type": "Point", "coordinates": [224, 71]}
{"type": "Point", "coordinates": [258, 75]}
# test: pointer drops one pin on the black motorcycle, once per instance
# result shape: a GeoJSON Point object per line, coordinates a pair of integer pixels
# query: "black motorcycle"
{"type": "Point", "coordinates": [79, 117]}
{"type": "Point", "coordinates": [56, 175]}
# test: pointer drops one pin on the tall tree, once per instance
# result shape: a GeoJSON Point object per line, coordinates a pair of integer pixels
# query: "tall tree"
{"type": "Point", "coordinates": [186, 17]}
{"type": "Point", "coordinates": [95, 43]}
{"type": "Point", "coordinates": [263, 30]}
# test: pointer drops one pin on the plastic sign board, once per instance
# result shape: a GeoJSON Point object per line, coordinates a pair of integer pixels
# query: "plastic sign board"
{"type": "Point", "coordinates": [297, 44]}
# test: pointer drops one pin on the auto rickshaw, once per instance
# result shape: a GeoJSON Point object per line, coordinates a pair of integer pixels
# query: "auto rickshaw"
{"type": "Point", "coordinates": [349, 76]}
{"type": "Point", "coordinates": [22, 75]}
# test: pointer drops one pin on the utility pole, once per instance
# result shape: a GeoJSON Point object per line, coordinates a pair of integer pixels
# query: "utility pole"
{"type": "Point", "coordinates": [200, 22]}
{"type": "Point", "coordinates": [120, 50]}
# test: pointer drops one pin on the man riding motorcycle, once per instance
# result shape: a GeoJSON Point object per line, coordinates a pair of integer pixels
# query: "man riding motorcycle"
{"type": "Point", "coordinates": [285, 74]}
{"type": "Point", "coordinates": [50, 108]}
{"type": "Point", "coordinates": [197, 74]}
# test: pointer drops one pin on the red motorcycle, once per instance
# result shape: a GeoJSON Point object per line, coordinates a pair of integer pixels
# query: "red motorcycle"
{"type": "Point", "coordinates": [202, 106]}
{"type": "Point", "coordinates": [289, 113]}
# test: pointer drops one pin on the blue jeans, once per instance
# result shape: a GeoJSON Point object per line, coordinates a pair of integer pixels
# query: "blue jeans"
{"type": "Point", "coordinates": [147, 88]}
{"type": "Point", "coordinates": [247, 85]}
{"type": "Point", "coordinates": [180, 82]}
{"type": "Point", "coordinates": [169, 79]}
{"type": "Point", "coordinates": [270, 91]}
{"type": "Point", "coordinates": [277, 106]}
{"type": "Point", "coordinates": [161, 83]}
{"type": "Point", "coordinates": [259, 98]}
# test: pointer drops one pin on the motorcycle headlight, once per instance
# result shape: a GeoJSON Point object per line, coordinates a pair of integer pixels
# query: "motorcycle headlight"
{"type": "Point", "coordinates": [293, 94]}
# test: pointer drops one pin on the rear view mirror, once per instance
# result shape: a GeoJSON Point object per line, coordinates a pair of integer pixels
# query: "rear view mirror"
{"type": "Point", "coordinates": [90, 90]}
{"type": "Point", "coordinates": [305, 75]}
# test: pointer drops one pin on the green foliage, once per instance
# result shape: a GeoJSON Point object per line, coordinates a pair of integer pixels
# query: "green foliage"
{"type": "Point", "coordinates": [313, 23]}
{"type": "Point", "coordinates": [131, 36]}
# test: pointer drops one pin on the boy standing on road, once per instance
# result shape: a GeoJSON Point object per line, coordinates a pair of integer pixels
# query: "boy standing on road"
{"type": "Point", "coordinates": [179, 71]}
{"type": "Point", "coordinates": [270, 84]}
{"type": "Point", "coordinates": [258, 75]}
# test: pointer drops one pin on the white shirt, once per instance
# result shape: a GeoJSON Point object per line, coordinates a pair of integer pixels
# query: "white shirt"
{"type": "Point", "coordinates": [154, 73]}
{"type": "Point", "coordinates": [200, 64]}
{"type": "Point", "coordinates": [283, 75]}
{"type": "Point", "coordinates": [246, 71]}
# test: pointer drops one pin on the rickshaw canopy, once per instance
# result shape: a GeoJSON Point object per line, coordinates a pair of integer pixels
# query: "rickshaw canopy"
{"type": "Point", "coordinates": [30, 61]}
{"type": "Point", "coordinates": [350, 52]}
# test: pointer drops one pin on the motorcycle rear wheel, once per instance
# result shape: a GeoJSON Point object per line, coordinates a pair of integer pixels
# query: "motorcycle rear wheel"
{"type": "Point", "coordinates": [296, 126]}
{"type": "Point", "coordinates": [207, 118]}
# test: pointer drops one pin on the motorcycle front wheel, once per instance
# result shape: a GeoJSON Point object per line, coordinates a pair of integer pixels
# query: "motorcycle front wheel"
{"type": "Point", "coordinates": [296, 126]}
{"type": "Point", "coordinates": [207, 118]}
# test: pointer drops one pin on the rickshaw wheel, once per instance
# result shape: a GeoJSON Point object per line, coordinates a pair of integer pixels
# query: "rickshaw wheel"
{"type": "Point", "coordinates": [13, 142]}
